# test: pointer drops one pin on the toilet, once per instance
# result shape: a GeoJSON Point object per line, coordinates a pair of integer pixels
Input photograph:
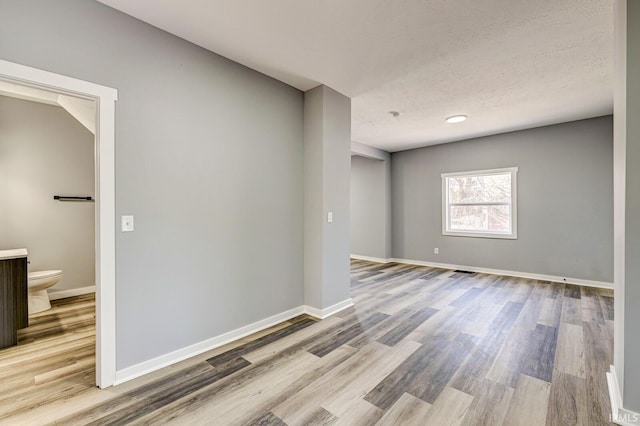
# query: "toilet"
{"type": "Point", "coordinates": [37, 284]}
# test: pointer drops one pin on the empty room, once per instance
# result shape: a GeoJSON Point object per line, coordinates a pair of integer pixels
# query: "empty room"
{"type": "Point", "coordinates": [300, 213]}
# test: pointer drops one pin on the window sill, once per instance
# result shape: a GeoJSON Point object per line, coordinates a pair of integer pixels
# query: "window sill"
{"type": "Point", "coordinates": [513, 236]}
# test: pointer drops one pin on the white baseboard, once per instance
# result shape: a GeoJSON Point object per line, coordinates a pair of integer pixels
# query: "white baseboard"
{"type": "Point", "coordinates": [63, 294]}
{"type": "Point", "coordinates": [331, 310]}
{"type": "Point", "coordinates": [370, 259]}
{"type": "Point", "coordinates": [166, 360]}
{"type": "Point", "coordinates": [619, 415]}
{"type": "Point", "coordinates": [578, 281]}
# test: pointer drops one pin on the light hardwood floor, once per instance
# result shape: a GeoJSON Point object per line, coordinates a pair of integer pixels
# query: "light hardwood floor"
{"type": "Point", "coordinates": [421, 346]}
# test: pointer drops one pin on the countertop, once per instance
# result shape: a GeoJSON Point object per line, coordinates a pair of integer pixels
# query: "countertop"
{"type": "Point", "coordinates": [13, 254]}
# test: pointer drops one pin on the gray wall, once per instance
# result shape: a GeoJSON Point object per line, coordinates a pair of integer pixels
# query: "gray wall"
{"type": "Point", "coordinates": [45, 151]}
{"type": "Point", "coordinates": [565, 199]}
{"type": "Point", "coordinates": [370, 207]}
{"type": "Point", "coordinates": [337, 169]}
{"type": "Point", "coordinates": [208, 159]}
{"type": "Point", "coordinates": [632, 236]}
{"type": "Point", "coordinates": [327, 148]}
{"type": "Point", "coordinates": [314, 215]}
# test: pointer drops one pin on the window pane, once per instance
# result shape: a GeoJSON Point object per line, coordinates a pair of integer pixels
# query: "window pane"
{"type": "Point", "coordinates": [479, 218]}
{"type": "Point", "coordinates": [480, 189]}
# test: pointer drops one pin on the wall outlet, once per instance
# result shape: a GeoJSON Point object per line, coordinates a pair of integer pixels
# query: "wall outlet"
{"type": "Point", "coordinates": [330, 217]}
{"type": "Point", "coordinates": [436, 250]}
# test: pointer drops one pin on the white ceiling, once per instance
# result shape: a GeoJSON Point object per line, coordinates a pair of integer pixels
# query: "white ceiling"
{"type": "Point", "coordinates": [507, 64]}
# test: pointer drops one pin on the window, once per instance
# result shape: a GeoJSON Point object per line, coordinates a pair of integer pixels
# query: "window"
{"type": "Point", "coordinates": [480, 204]}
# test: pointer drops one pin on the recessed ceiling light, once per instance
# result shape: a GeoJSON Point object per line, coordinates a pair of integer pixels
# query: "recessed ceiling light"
{"type": "Point", "coordinates": [456, 119]}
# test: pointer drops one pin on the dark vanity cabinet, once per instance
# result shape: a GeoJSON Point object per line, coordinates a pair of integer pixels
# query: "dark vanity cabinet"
{"type": "Point", "coordinates": [13, 299]}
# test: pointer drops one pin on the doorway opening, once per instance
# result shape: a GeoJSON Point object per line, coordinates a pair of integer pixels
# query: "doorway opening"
{"type": "Point", "coordinates": [104, 118]}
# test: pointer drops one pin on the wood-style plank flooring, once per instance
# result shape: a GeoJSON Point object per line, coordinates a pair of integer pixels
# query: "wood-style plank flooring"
{"type": "Point", "coordinates": [420, 346]}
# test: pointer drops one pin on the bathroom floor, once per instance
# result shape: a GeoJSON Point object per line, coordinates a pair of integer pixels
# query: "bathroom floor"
{"type": "Point", "coordinates": [55, 356]}
{"type": "Point", "coordinates": [420, 346]}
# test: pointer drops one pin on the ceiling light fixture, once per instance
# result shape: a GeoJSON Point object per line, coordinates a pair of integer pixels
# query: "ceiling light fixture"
{"type": "Point", "coordinates": [456, 119]}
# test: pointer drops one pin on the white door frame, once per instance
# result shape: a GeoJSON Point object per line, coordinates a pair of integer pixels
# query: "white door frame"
{"type": "Point", "coordinates": [104, 98]}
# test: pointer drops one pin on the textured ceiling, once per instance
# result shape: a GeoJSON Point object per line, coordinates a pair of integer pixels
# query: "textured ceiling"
{"type": "Point", "coordinates": [507, 64]}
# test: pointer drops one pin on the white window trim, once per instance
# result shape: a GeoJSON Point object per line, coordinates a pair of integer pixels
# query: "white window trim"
{"type": "Point", "coordinates": [513, 235]}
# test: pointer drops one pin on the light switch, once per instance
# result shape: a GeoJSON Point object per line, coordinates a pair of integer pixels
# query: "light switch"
{"type": "Point", "coordinates": [127, 223]}
{"type": "Point", "coordinates": [330, 217]}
